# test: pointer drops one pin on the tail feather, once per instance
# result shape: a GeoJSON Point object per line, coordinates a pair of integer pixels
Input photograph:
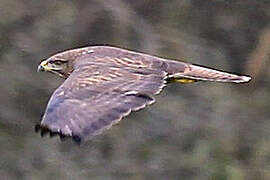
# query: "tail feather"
{"type": "Point", "coordinates": [198, 73]}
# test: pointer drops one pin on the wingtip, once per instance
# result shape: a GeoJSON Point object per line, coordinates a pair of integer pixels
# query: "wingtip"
{"type": "Point", "coordinates": [44, 130]}
{"type": "Point", "coordinates": [77, 139]}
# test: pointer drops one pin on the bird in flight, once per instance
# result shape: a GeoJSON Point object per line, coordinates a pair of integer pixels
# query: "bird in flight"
{"type": "Point", "coordinates": [103, 84]}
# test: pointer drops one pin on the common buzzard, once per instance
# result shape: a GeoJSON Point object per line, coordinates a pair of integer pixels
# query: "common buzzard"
{"type": "Point", "coordinates": [103, 84]}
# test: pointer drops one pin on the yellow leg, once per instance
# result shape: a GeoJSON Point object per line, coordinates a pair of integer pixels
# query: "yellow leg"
{"type": "Point", "coordinates": [182, 80]}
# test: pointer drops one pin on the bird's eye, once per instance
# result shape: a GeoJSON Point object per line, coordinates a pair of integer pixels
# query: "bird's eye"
{"type": "Point", "coordinates": [58, 62]}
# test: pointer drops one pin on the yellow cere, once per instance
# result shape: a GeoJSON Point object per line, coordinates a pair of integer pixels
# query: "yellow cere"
{"type": "Point", "coordinates": [44, 65]}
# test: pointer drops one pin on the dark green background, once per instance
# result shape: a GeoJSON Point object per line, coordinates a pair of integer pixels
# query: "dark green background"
{"type": "Point", "coordinates": [195, 131]}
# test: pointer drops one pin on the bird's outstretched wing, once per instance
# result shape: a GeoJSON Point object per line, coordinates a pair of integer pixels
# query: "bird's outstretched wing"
{"type": "Point", "coordinates": [95, 96]}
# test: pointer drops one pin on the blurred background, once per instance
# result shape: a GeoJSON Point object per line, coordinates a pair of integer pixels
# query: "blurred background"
{"type": "Point", "coordinates": [194, 131]}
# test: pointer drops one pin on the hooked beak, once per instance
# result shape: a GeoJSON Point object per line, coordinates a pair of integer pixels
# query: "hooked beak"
{"type": "Point", "coordinates": [43, 66]}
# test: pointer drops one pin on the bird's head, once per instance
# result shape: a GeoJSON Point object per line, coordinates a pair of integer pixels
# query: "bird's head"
{"type": "Point", "coordinates": [57, 64]}
{"type": "Point", "coordinates": [64, 63]}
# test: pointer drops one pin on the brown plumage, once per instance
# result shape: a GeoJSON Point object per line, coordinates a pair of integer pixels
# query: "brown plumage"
{"type": "Point", "coordinates": [103, 84]}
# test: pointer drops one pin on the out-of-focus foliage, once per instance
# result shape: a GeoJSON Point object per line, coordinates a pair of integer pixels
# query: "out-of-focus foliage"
{"type": "Point", "coordinates": [196, 131]}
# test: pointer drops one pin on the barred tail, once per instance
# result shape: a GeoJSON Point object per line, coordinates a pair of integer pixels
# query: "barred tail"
{"type": "Point", "coordinates": [194, 73]}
